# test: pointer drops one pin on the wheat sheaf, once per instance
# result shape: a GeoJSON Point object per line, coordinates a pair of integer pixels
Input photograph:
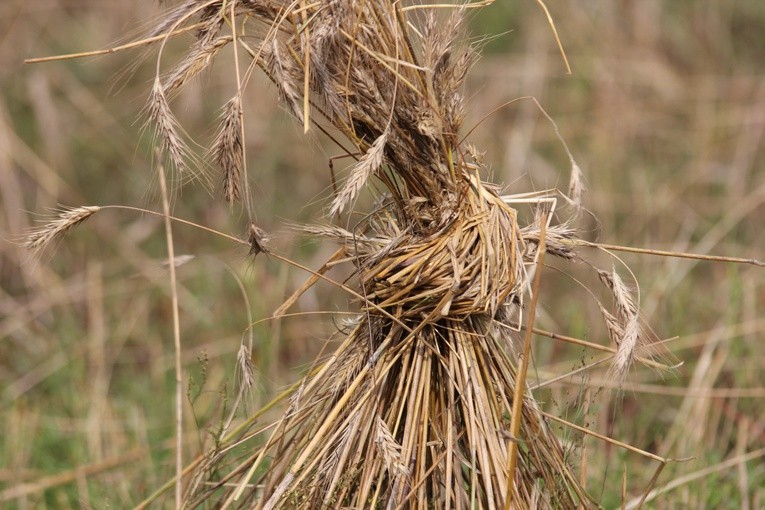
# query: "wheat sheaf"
{"type": "Point", "coordinates": [425, 402]}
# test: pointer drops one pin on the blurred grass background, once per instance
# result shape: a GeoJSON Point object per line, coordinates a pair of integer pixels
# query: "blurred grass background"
{"type": "Point", "coordinates": [664, 112]}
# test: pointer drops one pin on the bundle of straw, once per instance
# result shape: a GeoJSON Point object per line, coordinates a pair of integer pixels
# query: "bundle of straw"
{"type": "Point", "coordinates": [424, 404]}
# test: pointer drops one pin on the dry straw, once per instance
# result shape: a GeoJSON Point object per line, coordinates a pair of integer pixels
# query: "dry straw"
{"type": "Point", "coordinates": [424, 403]}
{"type": "Point", "coordinates": [414, 408]}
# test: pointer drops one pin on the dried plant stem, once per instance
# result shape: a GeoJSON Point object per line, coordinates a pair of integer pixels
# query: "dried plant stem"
{"type": "Point", "coordinates": [624, 488]}
{"type": "Point", "coordinates": [604, 348]}
{"type": "Point", "coordinates": [115, 49]}
{"type": "Point", "coordinates": [244, 180]}
{"type": "Point", "coordinates": [648, 489]}
{"type": "Point", "coordinates": [666, 253]}
{"type": "Point", "coordinates": [607, 439]}
{"type": "Point", "coordinates": [520, 382]}
{"type": "Point", "coordinates": [177, 219]}
{"type": "Point", "coordinates": [583, 457]}
{"type": "Point", "coordinates": [466, 5]}
{"type": "Point", "coordinates": [696, 475]}
{"type": "Point", "coordinates": [316, 274]}
{"type": "Point", "coordinates": [658, 389]}
{"type": "Point", "coordinates": [555, 33]}
{"type": "Point", "coordinates": [571, 373]}
{"type": "Point", "coordinates": [176, 341]}
{"type": "Point", "coordinates": [310, 282]}
{"type": "Point", "coordinates": [306, 72]}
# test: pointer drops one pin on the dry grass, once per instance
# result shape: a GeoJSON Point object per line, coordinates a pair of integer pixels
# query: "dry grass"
{"type": "Point", "coordinates": [430, 327]}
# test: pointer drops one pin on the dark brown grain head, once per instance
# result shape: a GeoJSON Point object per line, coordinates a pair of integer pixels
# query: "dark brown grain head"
{"type": "Point", "coordinates": [257, 238]}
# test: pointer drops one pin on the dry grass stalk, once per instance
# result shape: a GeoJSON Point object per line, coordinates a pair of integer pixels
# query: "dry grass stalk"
{"type": "Point", "coordinates": [176, 340]}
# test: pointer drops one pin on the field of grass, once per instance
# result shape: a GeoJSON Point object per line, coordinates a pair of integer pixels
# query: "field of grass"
{"type": "Point", "coordinates": [664, 112]}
